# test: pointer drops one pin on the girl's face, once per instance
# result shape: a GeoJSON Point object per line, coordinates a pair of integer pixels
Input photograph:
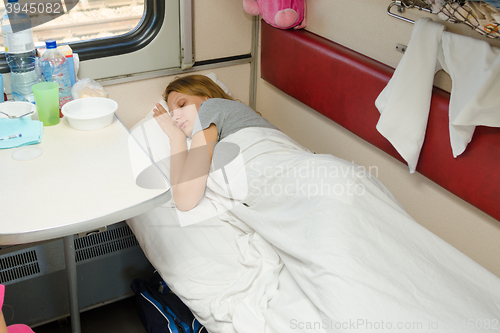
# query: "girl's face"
{"type": "Point", "coordinates": [184, 110]}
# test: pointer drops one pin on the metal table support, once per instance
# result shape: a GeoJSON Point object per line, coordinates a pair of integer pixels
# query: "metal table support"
{"type": "Point", "coordinates": [70, 258]}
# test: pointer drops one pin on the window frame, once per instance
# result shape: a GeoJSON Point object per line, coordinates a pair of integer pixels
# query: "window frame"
{"type": "Point", "coordinates": [148, 28]}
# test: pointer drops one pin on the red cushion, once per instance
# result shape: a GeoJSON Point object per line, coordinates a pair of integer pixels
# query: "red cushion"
{"type": "Point", "coordinates": [343, 85]}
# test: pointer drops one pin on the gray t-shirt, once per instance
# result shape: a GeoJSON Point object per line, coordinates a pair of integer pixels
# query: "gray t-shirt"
{"type": "Point", "coordinates": [229, 117]}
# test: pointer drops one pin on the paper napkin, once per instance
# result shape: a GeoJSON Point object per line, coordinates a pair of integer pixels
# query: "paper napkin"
{"type": "Point", "coordinates": [19, 132]}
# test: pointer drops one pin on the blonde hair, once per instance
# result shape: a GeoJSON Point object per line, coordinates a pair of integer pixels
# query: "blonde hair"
{"type": "Point", "coordinates": [196, 85]}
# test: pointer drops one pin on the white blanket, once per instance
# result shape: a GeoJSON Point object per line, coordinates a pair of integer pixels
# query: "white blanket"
{"type": "Point", "coordinates": [312, 243]}
{"type": "Point", "coordinates": [353, 250]}
{"type": "Point", "coordinates": [231, 279]}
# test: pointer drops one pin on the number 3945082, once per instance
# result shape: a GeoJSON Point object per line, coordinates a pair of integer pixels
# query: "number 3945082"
{"type": "Point", "coordinates": [34, 8]}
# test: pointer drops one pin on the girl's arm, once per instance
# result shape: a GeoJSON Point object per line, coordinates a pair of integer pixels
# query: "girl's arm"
{"type": "Point", "coordinates": [189, 169]}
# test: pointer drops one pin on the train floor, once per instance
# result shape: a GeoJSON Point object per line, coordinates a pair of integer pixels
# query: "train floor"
{"type": "Point", "coordinates": [117, 317]}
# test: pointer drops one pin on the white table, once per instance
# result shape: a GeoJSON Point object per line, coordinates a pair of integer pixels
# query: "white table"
{"type": "Point", "coordinates": [83, 181]}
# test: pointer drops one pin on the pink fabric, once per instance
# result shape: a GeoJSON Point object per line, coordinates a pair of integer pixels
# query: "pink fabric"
{"type": "Point", "coordinates": [19, 328]}
{"type": "Point", "coordinates": [2, 292]}
{"type": "Point", "coordinates": [282, 14]}
{"type": "Point", "coordinates": [269, 9]}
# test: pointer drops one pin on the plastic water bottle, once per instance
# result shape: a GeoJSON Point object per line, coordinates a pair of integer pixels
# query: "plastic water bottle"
{"type": "Point", "coordinates": [20, 52]}
{"type": "Point", "coordinates": [55, 68]}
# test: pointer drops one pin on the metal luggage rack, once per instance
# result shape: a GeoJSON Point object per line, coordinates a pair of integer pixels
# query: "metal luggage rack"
{"type": "Point", "coordinates": [455, 11]}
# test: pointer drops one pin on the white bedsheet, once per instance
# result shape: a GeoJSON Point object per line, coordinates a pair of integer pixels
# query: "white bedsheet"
{"type": "Point", "coordinates": [315, 244]}
{"type": "Point", "coordinates": [218, 271]}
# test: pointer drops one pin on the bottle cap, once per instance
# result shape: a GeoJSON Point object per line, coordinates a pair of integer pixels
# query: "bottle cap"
{"type": "Point", "coordinates": [50, 44]}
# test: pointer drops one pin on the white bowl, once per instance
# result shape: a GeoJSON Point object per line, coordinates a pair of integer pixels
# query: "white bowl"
{"type": "Point", "coordinates": [90, 113]}
{"type": "Point", "coordinates": [16, 108]}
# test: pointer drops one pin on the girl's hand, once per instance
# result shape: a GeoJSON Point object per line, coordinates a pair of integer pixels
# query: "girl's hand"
{"type": "Point", "coordinates": [166, 122]}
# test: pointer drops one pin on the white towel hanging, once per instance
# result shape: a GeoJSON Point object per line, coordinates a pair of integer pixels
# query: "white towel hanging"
{"type": "Point", "coordinates": [474, 68]}
{"type": "Point", "coordinates": [405, 102]}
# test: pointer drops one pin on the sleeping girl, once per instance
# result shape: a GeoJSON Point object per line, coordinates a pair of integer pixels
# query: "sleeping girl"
{"type": "Point", "coordinates": [349, 245]}
{"type": "Point", "coordinates": [202, 111]}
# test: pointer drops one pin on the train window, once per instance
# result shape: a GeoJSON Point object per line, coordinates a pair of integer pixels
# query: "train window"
{"type": "Point", "coordinates": [115, 37]}
{"type": "Point", "coordinates": [88, 20]}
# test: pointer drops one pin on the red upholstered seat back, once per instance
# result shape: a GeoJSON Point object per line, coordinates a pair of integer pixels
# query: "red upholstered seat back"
{"type": "Point", "coordinates": [343, 85]}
